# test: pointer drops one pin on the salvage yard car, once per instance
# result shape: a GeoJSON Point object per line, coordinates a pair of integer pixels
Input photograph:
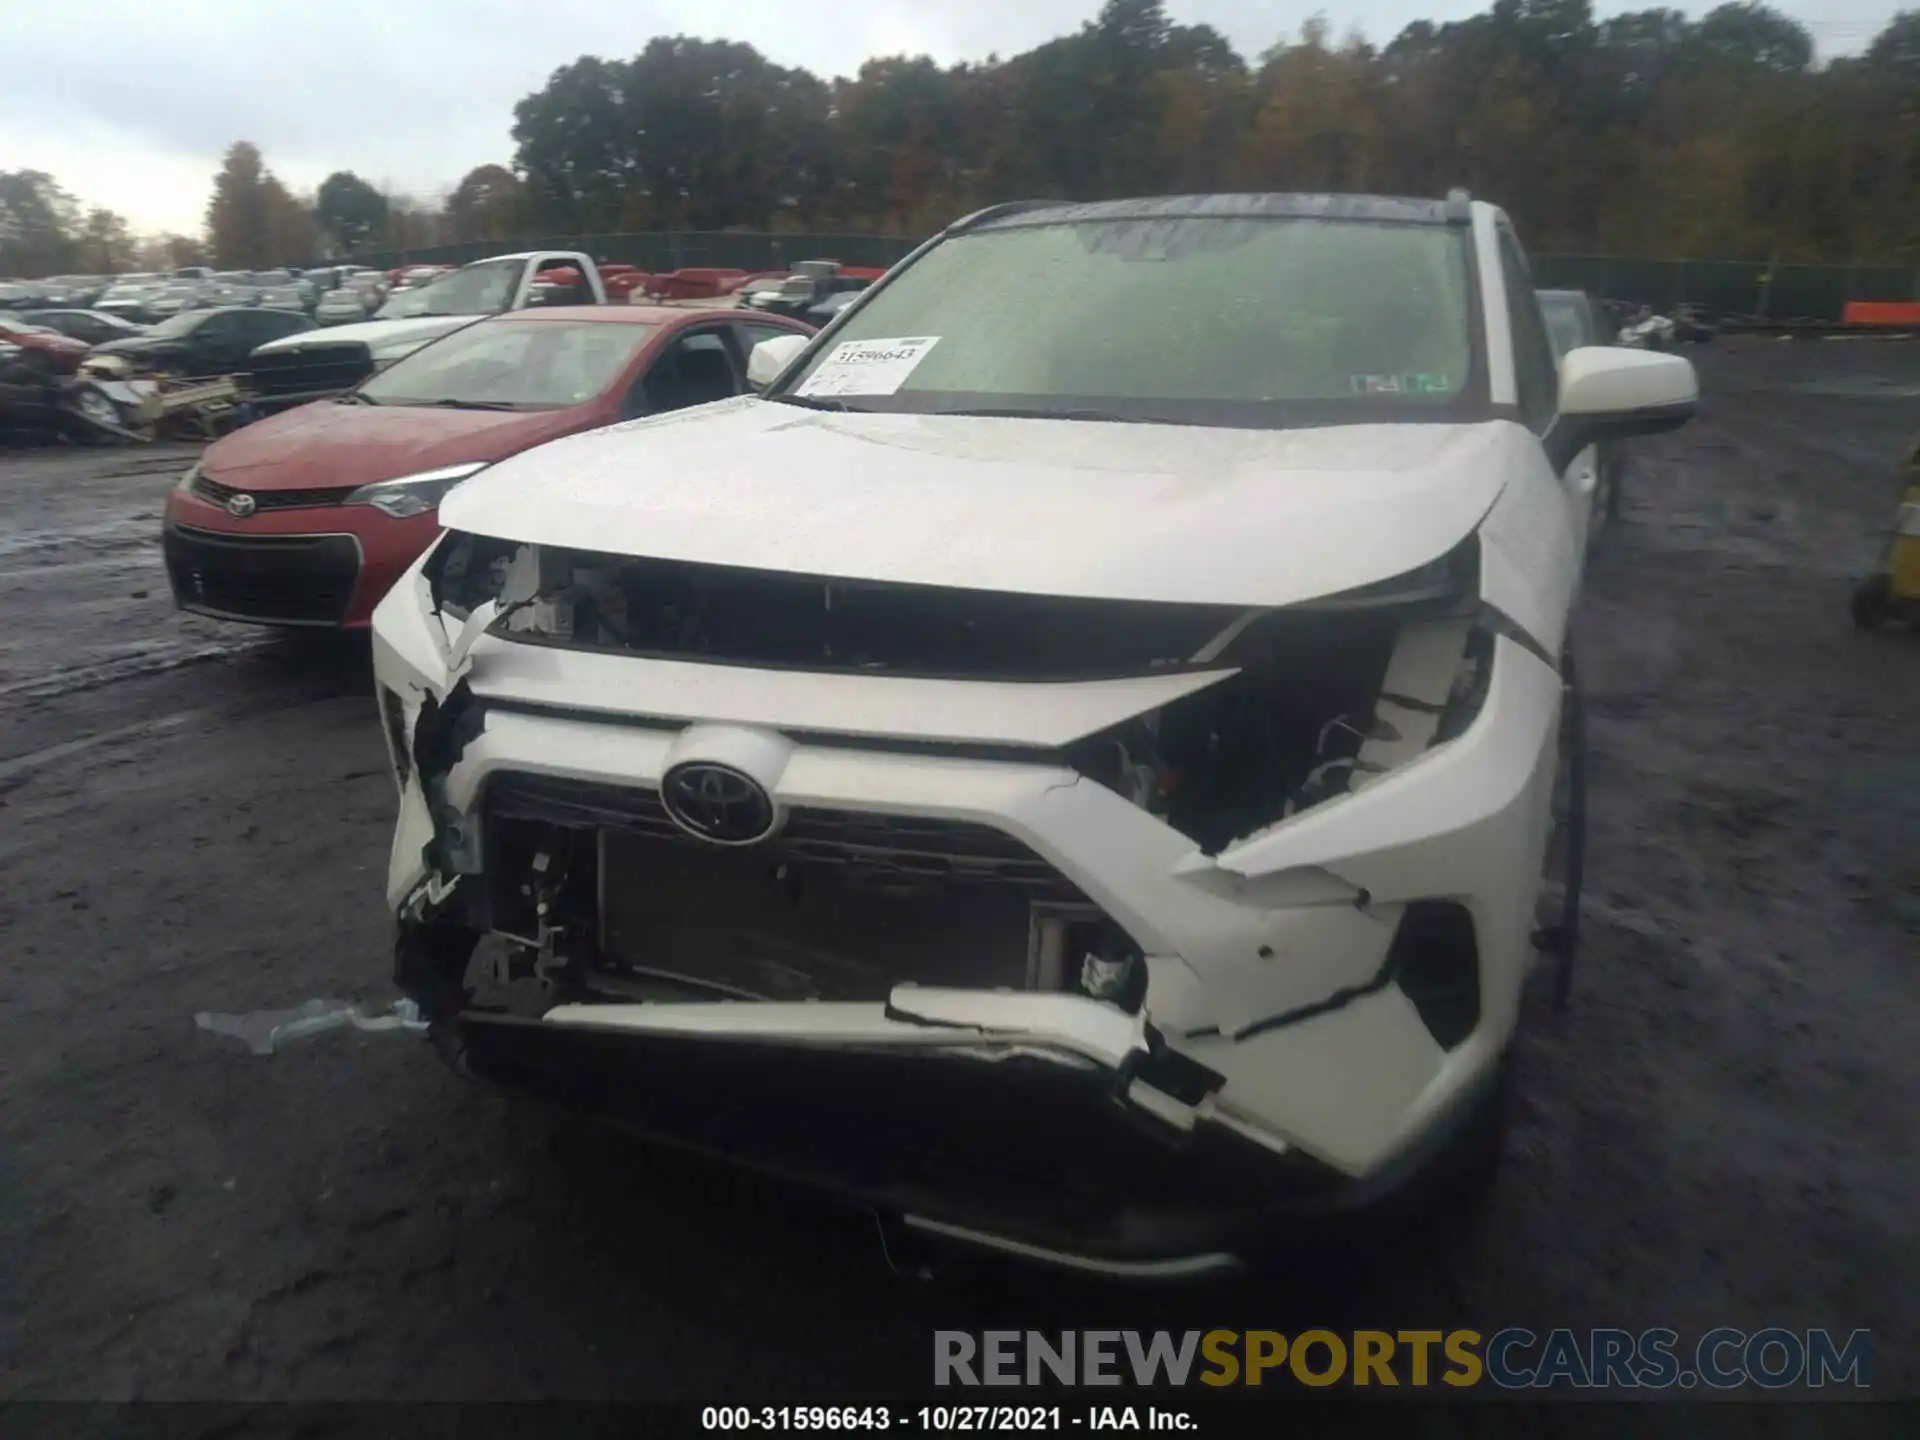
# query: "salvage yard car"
{"type": "Point", "coordinates": [284, 297]}
{"type": "Point", "coordinates": [1069, 765]}
{"type": "Point", "coordinates": [203, 342]}
{"type": "Point", "coordinates": [127, 297]}
{"type": "Point", "coordinates": [57, 352]}
{"type": "Point", "coordinates": [345, 305]}
{"type": "Point", "coordinates": [303, 368]}
{"type": "Point", "coordinates": [95, 327]}
{"type": "Point", "coordinates": [306, 518]}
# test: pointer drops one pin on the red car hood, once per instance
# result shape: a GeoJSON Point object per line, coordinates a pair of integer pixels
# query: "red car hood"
{"type": "Point", "coordinates": [326, 444]}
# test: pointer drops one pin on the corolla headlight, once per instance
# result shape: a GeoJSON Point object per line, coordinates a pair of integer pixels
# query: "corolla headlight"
{"type": "Point", "coordinates": [193, 473]}
{"type": "Point", "coordinates": [413, 494]}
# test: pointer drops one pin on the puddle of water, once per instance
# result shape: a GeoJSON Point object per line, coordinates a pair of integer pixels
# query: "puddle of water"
{"type": "Point", "coordinates": [264, 1031]}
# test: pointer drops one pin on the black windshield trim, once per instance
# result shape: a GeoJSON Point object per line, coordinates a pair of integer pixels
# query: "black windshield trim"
{"type": "Point", "coordinates": [1366, 209]}
{"type": "Point", "coordinates": [1472, 404]}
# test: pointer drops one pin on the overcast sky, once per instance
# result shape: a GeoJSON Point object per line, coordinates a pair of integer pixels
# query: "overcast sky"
{"type": "Point", "coordinates": [130, 103]}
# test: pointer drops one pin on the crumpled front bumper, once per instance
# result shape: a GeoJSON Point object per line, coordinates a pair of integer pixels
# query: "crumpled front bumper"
{"type": "Point", "coordinates": [1276, 1067]}
{"type": "Point", "coordinates": [1009, 1140]}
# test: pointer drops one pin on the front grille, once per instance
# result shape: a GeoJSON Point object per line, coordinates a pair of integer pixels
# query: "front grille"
{"type": "Point", "coordinates": [911, 847]}
{"type": "Point", "coordinates": [292, 579]}
{"type": "Point", "coordinates": [838, 905]}
{"type": "Point", "coordinates": [310, 370]}
{"type": "Point", "coordinates": [271, 499]}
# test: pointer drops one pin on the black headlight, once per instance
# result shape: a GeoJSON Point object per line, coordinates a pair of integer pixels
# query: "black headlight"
{"type": "Point", "coordinates": [465, 571]}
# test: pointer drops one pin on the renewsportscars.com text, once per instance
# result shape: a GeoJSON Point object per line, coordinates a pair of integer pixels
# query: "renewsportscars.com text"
{"type": "Point", "coordinates": [1511, 1359]}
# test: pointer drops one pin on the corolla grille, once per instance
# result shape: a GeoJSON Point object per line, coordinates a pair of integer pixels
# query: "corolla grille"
{"type": "Point", "coordinates": [263, 500]}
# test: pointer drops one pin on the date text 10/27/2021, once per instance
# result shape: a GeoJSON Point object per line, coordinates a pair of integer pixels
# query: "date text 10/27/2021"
{"type": "Point", "coordinates": [944, 1419]}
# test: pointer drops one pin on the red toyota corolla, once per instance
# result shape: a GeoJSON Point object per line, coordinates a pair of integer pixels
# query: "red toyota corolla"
{"type": "Point", "coordinates": [307, 518]}
{"type": "Point", "coordinates": [60, 353]}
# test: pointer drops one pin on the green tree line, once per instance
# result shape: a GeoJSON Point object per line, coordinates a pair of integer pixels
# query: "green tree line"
{"type": "Point", "coordinates": [1644, 134]}
{"type": "Point", "coordinates": [1647, 134]}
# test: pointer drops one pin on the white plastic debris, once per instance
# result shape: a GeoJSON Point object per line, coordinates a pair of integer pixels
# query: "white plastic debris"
{"type": "Point", "coordinates": [264, 1031]}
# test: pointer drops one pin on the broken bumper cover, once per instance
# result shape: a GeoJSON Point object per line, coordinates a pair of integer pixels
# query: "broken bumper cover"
{"type": "Point", "coordinates": [1016, 1141]}
{"type": "Point", "coordinates": [1270, 963]}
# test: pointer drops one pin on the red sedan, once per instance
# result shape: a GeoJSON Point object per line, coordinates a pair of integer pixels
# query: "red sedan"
{"type": "Point", "coordinates": [60, 353]}
{"type": "Point", "coordinates": [307, 518]}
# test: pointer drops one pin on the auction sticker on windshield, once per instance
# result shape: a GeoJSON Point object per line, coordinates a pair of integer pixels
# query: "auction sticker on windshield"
{"type": "Point", "coordinates": [868, 367]}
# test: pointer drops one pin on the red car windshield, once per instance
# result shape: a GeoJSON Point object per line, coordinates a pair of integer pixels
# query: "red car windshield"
{"type": "Point", "coordinates": [512, 365]}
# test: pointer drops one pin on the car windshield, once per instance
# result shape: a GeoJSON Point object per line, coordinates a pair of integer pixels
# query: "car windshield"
{"type": "Point", "coordinates": [1222, 320]}
{"type": "Point", "coordinates": [404, 305]}
{"type": "Point", "coordinates": [1568, 321]}
{"type": "Point", "coordinates": [483, 289]}
{"type": "Point", "coordinates": [10, 326]}
{"type": "Point", "coordinates": [512, 365]}
{"type": "Point", "coordinates": [128, 291]}
{"type": "Point", "coordinates": [181, 324]}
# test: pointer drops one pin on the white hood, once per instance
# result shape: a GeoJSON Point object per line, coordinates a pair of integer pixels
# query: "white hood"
{"type": "Point", "coordinates": [1047, 507]}
{"type": "Point", "coordinates": [374, 333]}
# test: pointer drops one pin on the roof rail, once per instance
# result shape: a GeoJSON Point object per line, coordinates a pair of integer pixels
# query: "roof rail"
{"type": "Point", "coordinates": [995, 212]}
{"type": "Point", "coordinates": [1459, 204]}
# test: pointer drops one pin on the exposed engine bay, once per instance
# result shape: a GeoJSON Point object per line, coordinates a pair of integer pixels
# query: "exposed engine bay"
{"type": "Point", "coordinates": [597, 889]}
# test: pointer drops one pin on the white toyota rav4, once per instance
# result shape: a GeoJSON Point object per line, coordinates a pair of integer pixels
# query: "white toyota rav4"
{"type": "Point", "coordinates": [1070, 764]}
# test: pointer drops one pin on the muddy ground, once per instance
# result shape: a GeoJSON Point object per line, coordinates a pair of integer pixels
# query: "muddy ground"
{"type": "Point", "coordinates": [195, 817]}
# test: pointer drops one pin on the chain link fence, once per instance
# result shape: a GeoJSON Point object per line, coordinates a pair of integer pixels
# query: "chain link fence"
{"type": "Point", "coordinates": [1723, 287]}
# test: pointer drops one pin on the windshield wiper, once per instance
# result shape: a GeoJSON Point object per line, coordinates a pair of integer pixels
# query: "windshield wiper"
{"type": "Point", "coordinates": [354, 397]}
{"type": "Point", "coordinates": [1017, 412]}
{"type": "Point", "coordinates": [818, 402]}
{"type": "Point", "coordinates": [451, 404]}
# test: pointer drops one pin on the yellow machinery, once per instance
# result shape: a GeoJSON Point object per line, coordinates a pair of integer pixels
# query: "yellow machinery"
{"type": "Point", "coordinates": [1893, 592]}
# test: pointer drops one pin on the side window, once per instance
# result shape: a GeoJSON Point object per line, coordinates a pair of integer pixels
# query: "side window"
{"type": "Point", "coordinates": [1536, 373]}
{"type": "Point", "coordinates": [752, 335]}
{"type": "Point", "coordinates": [568, 285]}
{"type": "Point", "coordinates": [696, 369]}
{"type": "Point", "coordinates": [218, 330]}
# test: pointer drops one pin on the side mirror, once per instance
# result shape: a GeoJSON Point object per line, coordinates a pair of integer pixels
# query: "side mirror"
{"type": "Point", "coordinates": [1608, 393]}
{"type": "Point", "coordinates": [770, 357]}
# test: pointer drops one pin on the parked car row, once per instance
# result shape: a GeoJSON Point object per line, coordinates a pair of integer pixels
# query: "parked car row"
{"type": "Point", "coordinates": [59, 291]}
{"type": "Point", "coordinates": [147, 299]}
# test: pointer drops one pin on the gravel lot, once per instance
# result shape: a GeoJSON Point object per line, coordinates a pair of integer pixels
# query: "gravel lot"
{"type": "Point", "coordinates": [195, 817]}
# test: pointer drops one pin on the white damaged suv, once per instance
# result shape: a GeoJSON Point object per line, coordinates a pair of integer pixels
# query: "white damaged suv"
{"type": "Point", "coordinates": [1070, 765]}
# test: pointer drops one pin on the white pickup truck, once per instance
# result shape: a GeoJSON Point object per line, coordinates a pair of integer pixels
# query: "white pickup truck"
{"type": "Point", "coordinates": [318, 363]}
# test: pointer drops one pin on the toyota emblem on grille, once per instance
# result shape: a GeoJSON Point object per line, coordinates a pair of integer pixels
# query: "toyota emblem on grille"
{"type": "Point", "coordinates": [241, 506]}
{"type": "Point", "coordinates": [718, 803]}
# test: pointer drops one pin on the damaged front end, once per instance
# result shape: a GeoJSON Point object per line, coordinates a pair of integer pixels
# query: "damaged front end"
{"type": "Point", "coordinates": [1109, 932]}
